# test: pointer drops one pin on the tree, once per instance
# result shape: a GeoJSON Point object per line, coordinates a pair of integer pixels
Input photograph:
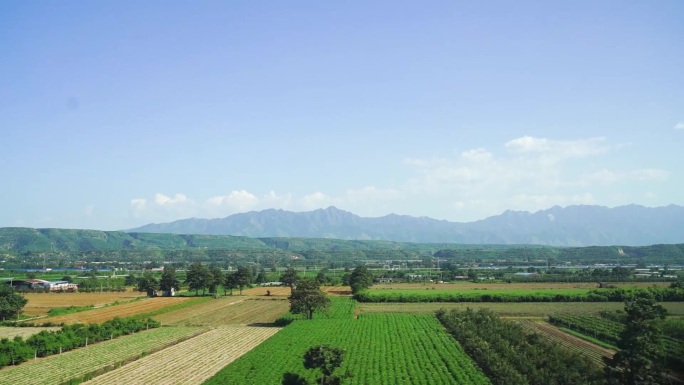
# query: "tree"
{"type": "Point", "coordinates": [229, 282]}
{"type": "Point", "coordinates": [169, 280]}
{"type": "Point", "coordinates": [11, 303]}
{"type": "Point", "coordinates": [327, 359]}
{"type": "Point", "coordinates": [215, 279]}
{"type": "Point", "coordinates": [322, 277]}
{"type": "Point", "coordinates": [197, 277]}
{"type": "Point", "coordinates": [307, 297]}
{"type": "Point", "coordinates": [242, 277]}
{"type": "Point", "coordinates": [130, 280]}
{"type": "Point", "coordinates": [639, 359]}
{"type": "Point", "coordinates": [360, 279]}
{"type": "Point", "coordinates": [147, 282]}
{"type": "Point", "coordinates": [261, 277]}
{"type": "Point", "coordinates": [289, 278]}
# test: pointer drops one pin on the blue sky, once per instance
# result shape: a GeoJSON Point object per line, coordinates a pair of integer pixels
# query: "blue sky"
{"type": "Point", "coordinates": [117, 114]}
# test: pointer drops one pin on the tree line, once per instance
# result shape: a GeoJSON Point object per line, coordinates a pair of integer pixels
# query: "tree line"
{"type": "Point", "coordinates": [45, 343]}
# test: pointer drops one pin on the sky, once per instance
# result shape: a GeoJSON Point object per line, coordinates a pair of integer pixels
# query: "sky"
{"type": "Point", "coordinates": [122, 113]}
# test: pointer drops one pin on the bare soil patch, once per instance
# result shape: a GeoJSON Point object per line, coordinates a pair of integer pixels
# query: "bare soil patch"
{"type": "Point", "coordinates": [40, 303]}
{"type": "Point", "coordinates": [124, 310]}
{"type": "Point", "coordinates": [227, 311]}
{"type": "Point", "coordinates": [23, 332]}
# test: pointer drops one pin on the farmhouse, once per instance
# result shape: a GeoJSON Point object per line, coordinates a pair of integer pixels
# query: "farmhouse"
{"type": "Point", "coordinates": [40, 284]}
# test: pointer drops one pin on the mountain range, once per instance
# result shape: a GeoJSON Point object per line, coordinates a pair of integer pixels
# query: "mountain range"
{"type": "Point", "coordinates": [579, 225]}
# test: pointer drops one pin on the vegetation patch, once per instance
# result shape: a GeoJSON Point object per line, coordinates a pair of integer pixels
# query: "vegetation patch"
{"type": "Point", "coordinates": [62, 368]}
{"type": "Point", "coordinates": [509, 355]}
{"type": "Point", "coordinates": [548, 295]}
{"type": "Point", "coordinates": [380, 349]}
{"type": "Point", "coordinates": [190, 361]}
{"type": "Point", "coordinates": [68, 310]}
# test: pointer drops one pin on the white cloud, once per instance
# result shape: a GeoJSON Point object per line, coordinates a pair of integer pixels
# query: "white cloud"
{"type": "Point", "coordinates": [558, 148]}
{"type": "Point", "coordinates": [530, 174]}
{"type": "Point", "coordinates": [316, 200]}
{"type": "Point", "coordinates": [525, 173]}
{"type": "Point", "coordinates": [679, 126]}
{"type": "Point", "coordinates": [239, 200]}
{"type": "Point", "coordinates": [162, 199]}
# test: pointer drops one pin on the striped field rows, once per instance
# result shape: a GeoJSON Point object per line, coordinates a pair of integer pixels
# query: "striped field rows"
{"type": "Point", "coordinates": [77, 363]}
{"type": "Point", "coordinates": [594, 352]}
{"type": "Point", "coordinates": [192, 361]}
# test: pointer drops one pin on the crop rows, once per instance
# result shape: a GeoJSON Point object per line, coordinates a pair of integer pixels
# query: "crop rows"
{"type": "Point", "coordinates": [123, 310]}
{"type": "Point", "coordinates": [227, 311]}
{"type": "Point", "coordinates": [24, 332]}
{"type": "Point", "coordinates": [191, 361]}
{"type": "Point", "coordinates": [78, 363]}
{"type": "Point", "coordinates": [599, 328]}
{"type": "Point", "coordinates": [609, 331]}
{"type": "Point", "coordinates": [380, 349]}
{"type": "Point", "coordinates": [575, 344]}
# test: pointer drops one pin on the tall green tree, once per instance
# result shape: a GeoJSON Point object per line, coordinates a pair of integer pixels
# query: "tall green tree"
{"type": "Point", "coordinates": [360, 279]}
{"type": "Point", "coordinates": [197, 277]}
{"type": "Point", "coordinates": [168, 279]}
{"type": "Point", "coordinates": [289, 277]}
{"type": "Point", "coordinates": [325, 358]}
{"type": "Point", "coordinates": [242, 277]}
{"type": "Point", "coordinates": [216, 279]}
{"type": "Point", "coordinates": [147, 282]}
{"type": "Point", "coordinates": [639, 360]}
{"type": "Point", "coordinates": [307, 298]}
{"type": "Point", "coordinates": [11, 303]}
{"type": "Point", "coordinates": [229, 283]}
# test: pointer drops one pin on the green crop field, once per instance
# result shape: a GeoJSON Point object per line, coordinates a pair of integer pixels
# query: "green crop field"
{"type": "Point", "coordinates": [380, 349]}
{"type": "Point", "coordinates": [515, 309]}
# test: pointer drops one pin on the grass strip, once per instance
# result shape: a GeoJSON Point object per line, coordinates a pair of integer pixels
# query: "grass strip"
{"type": "Point", "coordinates": [589, 339]}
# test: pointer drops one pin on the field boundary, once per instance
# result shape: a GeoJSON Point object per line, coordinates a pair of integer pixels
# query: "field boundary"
{"type": "Point", "coordinates": [116, 365]}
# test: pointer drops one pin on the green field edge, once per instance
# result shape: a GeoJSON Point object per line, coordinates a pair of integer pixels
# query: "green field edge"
{"type": "Point", "coordinates": [588, 338]}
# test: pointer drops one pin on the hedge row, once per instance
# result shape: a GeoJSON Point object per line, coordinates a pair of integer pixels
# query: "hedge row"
{"type": "Point", "coordinates": [45, 343]}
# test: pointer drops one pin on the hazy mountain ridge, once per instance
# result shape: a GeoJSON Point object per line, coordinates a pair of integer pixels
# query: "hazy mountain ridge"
{"type": "Point", "coordinates": [580, 225]}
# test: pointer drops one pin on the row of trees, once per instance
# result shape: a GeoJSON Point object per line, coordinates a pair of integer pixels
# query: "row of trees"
{"type": "Point", "coordinates": [45, 343]}
{"type": "Point", "coordinates": [198, 277]}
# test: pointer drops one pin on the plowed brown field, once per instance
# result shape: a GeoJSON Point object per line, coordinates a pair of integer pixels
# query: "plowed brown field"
{"type": "Point", "coordinates": [123, 310]}
{"type": "Point", "coordinates": [276, 291]}
{"type": "Point", "coordinates": [40, 303]}
{"type": "Point", "coordinates": [225, 311]}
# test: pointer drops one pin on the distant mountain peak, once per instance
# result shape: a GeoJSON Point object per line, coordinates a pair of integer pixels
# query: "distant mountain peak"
{"type": "Point", "coordinates": [579, 225]}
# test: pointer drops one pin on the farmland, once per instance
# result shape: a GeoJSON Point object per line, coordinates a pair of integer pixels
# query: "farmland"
{"type": "Point", "coordinates": [94, 358]}
{"type": "Point", "coordinates": [386, 342]}
{"type": "Point", "coordinates": [515, 294]}
{"type": "Point", "coordinates": [381, 349]}
{"type": "Point", "coordinates": [40, 303]}
{"type": "Point", "coordinates": [123, 310]}
{"type": "Point", "coordinates": [516, 309]}
{"type": "Point", "coordinates": [508, 286]}
{"type": "Point", "coordinates": [231, 310]}
{"type": "Point", "coordinates": [591, 351]}
{"type": "Point", "coordinates": [191, 361]}
{"type": "Point", "coordinates": [608, 331]}
{"type": "Point", "coordinates": [23, 332]}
